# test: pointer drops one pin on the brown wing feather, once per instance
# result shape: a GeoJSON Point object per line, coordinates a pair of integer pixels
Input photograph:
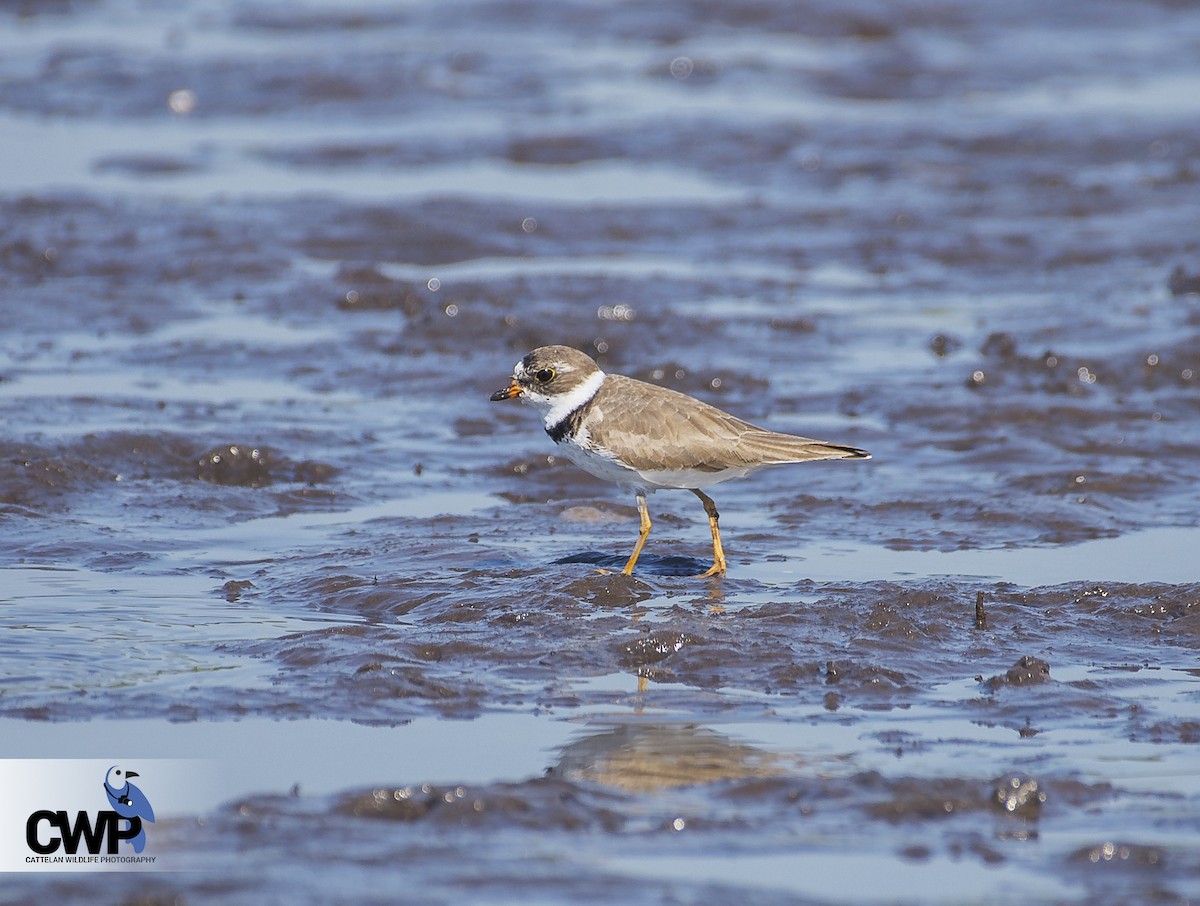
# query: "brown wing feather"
{"type": "Point", "coordinates": [664, 429]}
{"type": "Point", "coordinates": [773, 447]}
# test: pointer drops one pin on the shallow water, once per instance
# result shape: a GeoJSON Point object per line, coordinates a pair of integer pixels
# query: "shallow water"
{"type": "Point", "coordinates": [960, 237]}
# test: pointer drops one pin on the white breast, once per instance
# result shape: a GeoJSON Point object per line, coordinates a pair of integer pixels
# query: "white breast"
{"type": "Point", "coordinates": [599, 463]}
{"type": "Point", "coordinates": [693, 478]}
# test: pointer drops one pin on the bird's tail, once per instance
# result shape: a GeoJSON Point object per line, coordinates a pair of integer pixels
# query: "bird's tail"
{"type": "Point", "coordinates": [772, 447]}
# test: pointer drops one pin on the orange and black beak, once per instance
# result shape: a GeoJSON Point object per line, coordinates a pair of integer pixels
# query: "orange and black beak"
{"type": "Point", "coordinates": [513, 389]}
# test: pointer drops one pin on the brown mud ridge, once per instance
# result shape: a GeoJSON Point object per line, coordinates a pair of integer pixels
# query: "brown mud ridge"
{"type": "Point", "coordinates": [482, 641]}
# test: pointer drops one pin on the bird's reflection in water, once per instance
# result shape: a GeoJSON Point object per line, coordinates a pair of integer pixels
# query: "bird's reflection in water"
{"type": "Point", "coordinates": [642, 758]}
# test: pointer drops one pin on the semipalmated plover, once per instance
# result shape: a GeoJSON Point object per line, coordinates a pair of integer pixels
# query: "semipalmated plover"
{"type": "Point", "coordinates": [644, 437]}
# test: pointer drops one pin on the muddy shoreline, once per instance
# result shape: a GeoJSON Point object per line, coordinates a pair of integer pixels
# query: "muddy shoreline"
{"type": "Point", "coordinates": [260, 269]}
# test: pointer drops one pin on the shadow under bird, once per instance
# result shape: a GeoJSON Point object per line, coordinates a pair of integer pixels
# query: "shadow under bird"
{"type": "Point", "coordinates": [643, 437]}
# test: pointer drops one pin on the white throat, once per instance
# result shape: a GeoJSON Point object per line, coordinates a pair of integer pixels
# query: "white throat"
{"type": "Point", "coordinates": [562, 406]}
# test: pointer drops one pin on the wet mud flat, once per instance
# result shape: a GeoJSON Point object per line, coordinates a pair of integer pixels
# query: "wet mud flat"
{"type": "Point", "coordinates": [260, 269]}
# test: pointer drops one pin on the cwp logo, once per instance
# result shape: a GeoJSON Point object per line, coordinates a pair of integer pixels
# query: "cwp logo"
{"type": "Point", "coordinates": [129, 802]}
{"type": "Point", "coordinates": [56, 835]}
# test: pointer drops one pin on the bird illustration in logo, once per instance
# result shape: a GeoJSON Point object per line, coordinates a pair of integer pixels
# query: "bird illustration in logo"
{"type": "Point", "coordinates": [128, 801]}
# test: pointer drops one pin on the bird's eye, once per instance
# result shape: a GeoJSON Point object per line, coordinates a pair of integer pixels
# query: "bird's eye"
{"type": "Point", "coordinates": [545, 376]}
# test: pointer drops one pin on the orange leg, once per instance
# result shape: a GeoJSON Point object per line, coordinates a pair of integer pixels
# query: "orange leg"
{"type": "Point", "coordinates": [644, 533]}
{"type": "Point", "coordinates": [718, 567]}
